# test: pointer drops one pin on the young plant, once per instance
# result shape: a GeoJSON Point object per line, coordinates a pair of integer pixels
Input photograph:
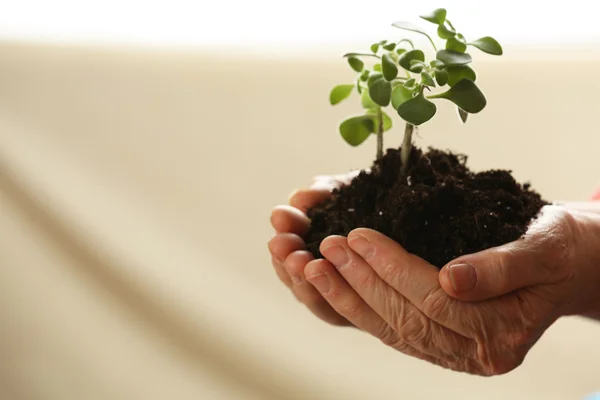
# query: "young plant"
{"type": "Point", "coordinates": [403, 78]}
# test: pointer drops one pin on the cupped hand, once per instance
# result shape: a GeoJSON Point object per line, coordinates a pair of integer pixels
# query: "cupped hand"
{"type": "Point", "coordinates": [288, 250]}
{"type": "Point", "coordinates": [479, 314]}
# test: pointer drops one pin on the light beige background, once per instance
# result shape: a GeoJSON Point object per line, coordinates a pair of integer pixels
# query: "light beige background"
{"type": "Point", "coordinates": [135, 190]}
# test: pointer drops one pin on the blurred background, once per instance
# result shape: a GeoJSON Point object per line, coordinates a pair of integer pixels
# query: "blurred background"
{"type": "Point", "coordinates": [143, 145]}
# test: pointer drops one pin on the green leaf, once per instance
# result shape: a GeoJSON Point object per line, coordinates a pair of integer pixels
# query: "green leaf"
{"type": "Point", "coordinates": [427, 79]}
{"type": "Point", "coordinates": [356, 130]}
{"type": "Point", "coordinates": [409, 56]}
{"type": "Point", "coordinates": [456, 74]}
{"type": "Point", "coordinates": [339, 93]}
{"type": "Point", "coordinates": [417, 110]}
{"type": "Point", "coordinates": [377, 67]}
{"type": "Point", "coordinates": [417, 68]}
{"type": "Point", "coordinates": [360, 55]}
{"type": "Point", "coordinates": [400, 51]}
{"type": "Point", "coordinates": [466, 95]}
{"type": "Point", "coordinates": [410, 82]}
{"type": "Point", "coordinates": [454, 44]}
{"type": "Point", "coordinates": [373, 77]}
{"type": "Point", "coordinates": [436, 64]}
{"type": "Point", "coordinates": [367, 102]}
{"type": "Point", "coordinates": [356, 64]}
{"type": "Point", "coordinates": [381, 92]}
{"type": "Point", "coordinates": [441, 77]}
{"type": "Point", "coordinates": [364, 76]}
{"type": "Point", "coordinates": [388, 66]}
{"type": "Point", "coordinates": [435, 17]}
{"type": "Point", "coordinates": [462, 114]}
{"type": "Point", "coordinates": [390, 46]}
{"type": "Point", "coordinates": [453, 58]}
{"type": "Point", "coordinates": [358, 87]}
{"type": "Point", "coordinates": [445, 33]}
{"type": "Point", "coordinates": [488, 45]}
{"type": "Point", "coordinates": [400, 94]}
{"type": "Point", "coordinates": [375, 47]}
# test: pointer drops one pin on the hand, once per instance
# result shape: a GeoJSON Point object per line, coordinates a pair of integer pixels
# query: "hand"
{"type": "Point", "coordinates": [482, 312]}
{"type": "Point", "coordinates": [288, 250]}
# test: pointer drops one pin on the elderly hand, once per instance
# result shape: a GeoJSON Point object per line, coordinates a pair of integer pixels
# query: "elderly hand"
{"type": "Point", "coordinates": [482, 312]}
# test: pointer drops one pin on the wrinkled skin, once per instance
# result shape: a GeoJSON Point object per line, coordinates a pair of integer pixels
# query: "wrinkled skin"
{"type": "Point", "coordinates": [479, 314]}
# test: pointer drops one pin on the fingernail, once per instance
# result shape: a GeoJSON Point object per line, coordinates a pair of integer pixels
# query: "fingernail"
{"type": "Point", "coordinates": [362, 246]}
{"type": "Point", "coordinates": [336, 254]}
{"type": "Point", "coordinates": [463, 277]}
{"type": "Point", "coordinates": [320, 282]}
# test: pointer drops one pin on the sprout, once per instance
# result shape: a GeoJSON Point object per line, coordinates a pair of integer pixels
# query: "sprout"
{"type": "Point", "coordinates": [403, 78]}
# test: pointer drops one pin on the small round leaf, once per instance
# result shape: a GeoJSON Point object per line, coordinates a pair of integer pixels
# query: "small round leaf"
{"type": "Point", "coordinates": [339, 93]}
{"type": "Point", "coordinates": [409, 56]}
{"type": "Point", "coordinates": [400, 94]}
{"type": "Point", "coordinates": [417, 68]}
{"type": "Point", "coordinates": [410, 83]}
{"type": "Point", "coordinates": [417, 110]}
{"type": "Point", "coordinates": [356, 64]}
{"type": "Point", "coordinates": [453, 58]}
{"type": "Point", "coordinates": [441, 77]}
{"type": "Point", "coordinates": [390, 46]}
{"type": "Point", "coordinates": [436, 64]}
{"type": "Point", "coordinates": [364, 76]}
{"type": "Point", "coordinates": [373, 77]}
{"type": "Point", "coordinates": [377, 67]}
{"type": "Point", "coordinates": [381, 92]}
{"type": "Point", "coordinates": [445, 33]}
{"type": "Point", "coordinates": [400, 51]}
{"type": "Point", "coordinates": [375, 47]}
{"type": "Point", "coordinates": [488, 45]}
{"type": "Point", "coordinates": [456, 74]}
{"type": "Point", "coordinates": [388, 66]}
{"type": "Point", "coordinates": [367, 102]}
{"type": "Point", "coordinates": [427, 79]}
{"type": "Point", "coordinates": [356, 130]}
{"type": "Point", "coordinates": [435, 17]}
{"type": "Point", "coordinates": [466, 95]}
{"type": "Point", "coordinates": [456, 45]}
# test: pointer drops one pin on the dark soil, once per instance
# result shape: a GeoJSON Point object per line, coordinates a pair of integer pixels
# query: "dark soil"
{"type": "Point", "coordinates": [442, 211]}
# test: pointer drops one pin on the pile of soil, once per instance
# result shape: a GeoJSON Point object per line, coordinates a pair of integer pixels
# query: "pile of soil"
{"type": "Point", "coordinates": [439, 210]}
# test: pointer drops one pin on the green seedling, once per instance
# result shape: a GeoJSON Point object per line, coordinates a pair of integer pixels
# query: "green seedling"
{"type": "Point", "coordinates": [400, 76]}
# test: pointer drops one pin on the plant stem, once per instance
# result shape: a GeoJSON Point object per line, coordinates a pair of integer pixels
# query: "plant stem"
{"type": "Point", "coordinates": [379, 133]}
{"type": "Point", "coordinates": [406, 147]}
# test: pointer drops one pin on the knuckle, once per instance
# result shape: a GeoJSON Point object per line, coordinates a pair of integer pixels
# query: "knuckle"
{"type": "Point", "coordinates": [351, 309]}
{"type": "Point", "coordinates": [435, 304]}
{"type": "Point", "coordinates": [415, 328]}
{"type": "Point", "coordinates": [365, 280]}
{"type": "Point", "coordinates": [388, 336]}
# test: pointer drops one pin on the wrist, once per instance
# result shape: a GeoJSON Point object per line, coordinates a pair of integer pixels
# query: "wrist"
{"type": "Point", "coordinates": [585, 263]}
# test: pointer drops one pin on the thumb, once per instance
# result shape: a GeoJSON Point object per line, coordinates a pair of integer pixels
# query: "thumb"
{"type": "Point", "coordinates": [491, 273]}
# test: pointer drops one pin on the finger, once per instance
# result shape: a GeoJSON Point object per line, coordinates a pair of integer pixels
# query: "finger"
{"type": "Point", "coordinates": [412, 325]}
{"type": "Point", "coordinates": [346, 302]}
{"type": "Point", "coordinates": [303, 199]}
{"type": "Point", "coordinates": [411, 276]}
{"type": "Point", "coordinates": [306, 293]}
{"type": "Point", "coordinates": [282, 244]}
{"type": "Point", "coordinates": [287, 219]}
{"type": "Point", "coordinates": [541, 257]}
